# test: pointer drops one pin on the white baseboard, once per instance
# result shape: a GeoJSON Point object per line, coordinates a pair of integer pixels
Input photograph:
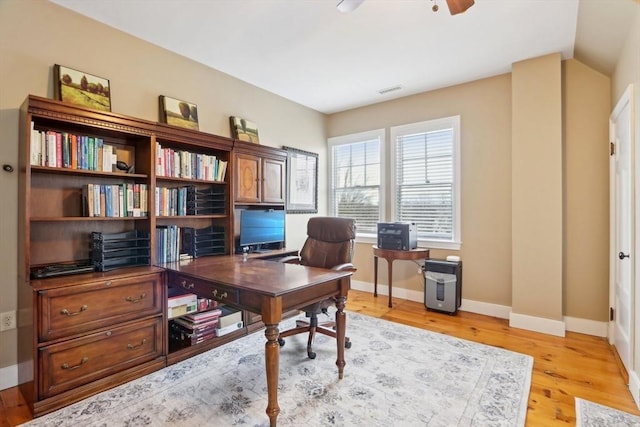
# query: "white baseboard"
{"type": "Point", "coordinates": [634, 387]}
{"type": "Point", "coordinates": [537, 324]}
{"type": "Point", "coordinates": [8, 377]}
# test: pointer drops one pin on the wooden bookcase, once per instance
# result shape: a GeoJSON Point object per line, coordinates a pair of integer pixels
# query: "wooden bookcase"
{"type": "Point", "coordinates": [83, 333]}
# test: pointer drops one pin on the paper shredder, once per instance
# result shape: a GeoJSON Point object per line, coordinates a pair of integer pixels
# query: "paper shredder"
{"type": "Point", "coordinates": [442, 285]}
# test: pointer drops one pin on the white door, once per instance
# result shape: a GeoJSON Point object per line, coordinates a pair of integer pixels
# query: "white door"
{"type": "Point", "coordinates": [622, 288]}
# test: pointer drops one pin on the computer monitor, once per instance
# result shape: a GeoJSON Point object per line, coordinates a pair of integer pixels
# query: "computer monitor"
{"type": "Point", "coordinates": [261, 227]}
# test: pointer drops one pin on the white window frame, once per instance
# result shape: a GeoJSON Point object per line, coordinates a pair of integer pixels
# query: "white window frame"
{"type": "Point", "coordinates": [429, 126]}
{"type": "Point", "coordinates": [380, 135]}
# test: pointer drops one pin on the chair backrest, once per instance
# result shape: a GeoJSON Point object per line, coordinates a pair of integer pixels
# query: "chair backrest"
{"type": "Point", "coordinates": [330, 242]}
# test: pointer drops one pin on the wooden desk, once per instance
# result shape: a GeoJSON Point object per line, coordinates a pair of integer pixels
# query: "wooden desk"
{"type": "Point", "coordinates": [391, 255]}
{"type": "Point", "coordinates": [270, 289]}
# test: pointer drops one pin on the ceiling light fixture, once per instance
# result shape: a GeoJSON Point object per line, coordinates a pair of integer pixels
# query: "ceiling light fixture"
{"type": "Point", "coordinates": [455, 6]}
{"type": "Point", "coordinates": [346, 6]}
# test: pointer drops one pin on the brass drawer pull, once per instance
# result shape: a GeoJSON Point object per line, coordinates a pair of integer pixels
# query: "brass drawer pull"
{"type": "Point", "coordinates": [67, 313]}
{"type": "Point", "coordinates": [133, 347]}
{"type": "Point", "coordinates": [82, 362]}
{"type": "Point", "coordinates": [187, 286]}
{"type": "Point", "coordinates": [131, 299]}
{"type": "Point", "coordinates": [222, 295]}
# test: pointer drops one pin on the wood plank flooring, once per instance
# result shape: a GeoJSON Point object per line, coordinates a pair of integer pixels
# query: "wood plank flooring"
{"type": "Point", "coordinates": [564, 368]}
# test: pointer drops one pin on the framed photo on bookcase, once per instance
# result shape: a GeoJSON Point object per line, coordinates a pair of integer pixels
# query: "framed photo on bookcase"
{"type": "Point", "coordinates": [302, 181]}
{"type": "Point", "coordinates": [80, 88]}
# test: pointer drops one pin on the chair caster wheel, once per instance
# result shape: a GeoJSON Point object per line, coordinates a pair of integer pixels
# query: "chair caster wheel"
{"type": "Point", "coordinates": [311, 355]}
{"type": "Point", "coordinates": [281, 342]}
{"type": "Point", "coordinates": [347, 344]}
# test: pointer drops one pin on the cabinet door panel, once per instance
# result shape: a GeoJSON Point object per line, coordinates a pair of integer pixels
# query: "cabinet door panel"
{"type": "Point", "coordinates": [273, 190]}
{"type": "Point", "coordinates": [248, 169]}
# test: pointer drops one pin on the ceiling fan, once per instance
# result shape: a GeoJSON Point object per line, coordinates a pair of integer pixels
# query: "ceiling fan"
{"type": "Point", "coordinates": [455, 6]}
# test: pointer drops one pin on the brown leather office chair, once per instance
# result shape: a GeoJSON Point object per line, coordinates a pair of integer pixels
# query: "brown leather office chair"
{"type": "Point", "coordinates": [330, 244]}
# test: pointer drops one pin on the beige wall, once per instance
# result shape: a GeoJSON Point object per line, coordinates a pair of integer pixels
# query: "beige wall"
{"type": "Point", "coordinates": [138, 72]}
{"type": "Point", "coordinates": [537, 187]}
{"type": "Point", "coordinates": [485, 110]}
{"type": "Point", "coordinates": [586, 191]}
{"type": "Point", "coordinates": [485, 107]}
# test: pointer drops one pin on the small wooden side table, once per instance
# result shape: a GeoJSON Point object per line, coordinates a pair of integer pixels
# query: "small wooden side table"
{"type": "Point", "coordinates": [391, 255]}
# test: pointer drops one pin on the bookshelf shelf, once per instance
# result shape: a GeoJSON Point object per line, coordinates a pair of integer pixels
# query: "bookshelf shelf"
{"type": "Point", "coordinates": [56, 170]}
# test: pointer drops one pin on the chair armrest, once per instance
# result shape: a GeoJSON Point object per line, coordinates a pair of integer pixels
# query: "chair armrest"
{"type": "Point", "coordinates": [291, 259]}
{"type": "Point", "coordinates": [345, 266]}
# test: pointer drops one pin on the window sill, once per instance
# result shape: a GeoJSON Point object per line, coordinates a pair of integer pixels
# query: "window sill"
{"type": "Point", "coordinates": [431, 244]}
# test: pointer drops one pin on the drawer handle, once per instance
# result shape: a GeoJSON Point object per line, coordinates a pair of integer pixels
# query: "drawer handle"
{"type": "Point", "coordinates": [222, 295]}
{"type": "Point", "coordinates": [187, 286]}
{"type": "Point", "coordinates": [82, 362]}
{"type": "Point", "coordinates": [67, 313]}
{"type": "Point", "coordinates": [131, 299]}
{"type": "Point", "coordinates": [133, 347]}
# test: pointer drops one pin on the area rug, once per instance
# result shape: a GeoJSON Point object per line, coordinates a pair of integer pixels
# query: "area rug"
{"type": "Point", "coordinates": [590, 414]}
{"type": "Point", "coordinates": [395, 375]}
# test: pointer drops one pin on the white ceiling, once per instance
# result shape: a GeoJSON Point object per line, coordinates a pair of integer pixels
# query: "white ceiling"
{"type": "Point", "coordinates": [309, 52]}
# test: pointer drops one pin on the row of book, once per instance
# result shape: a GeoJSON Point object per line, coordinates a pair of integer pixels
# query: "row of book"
{"type": "Point", "coordinates": [196, 328]}
{"type": "Point", "coordinates": [185, 164]}
{"type": "Point", "coordinates": [190, 201]}
{"type": "Point", "coordinates": [174, 243]}
{"type": "Point", "coordinates": [115, 200]}
{"type": "Point", "coordinates": [66, 150]}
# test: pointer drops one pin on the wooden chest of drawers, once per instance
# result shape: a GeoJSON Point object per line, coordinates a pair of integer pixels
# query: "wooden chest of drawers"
{"type": "Point", "coordinates": [93, 331]}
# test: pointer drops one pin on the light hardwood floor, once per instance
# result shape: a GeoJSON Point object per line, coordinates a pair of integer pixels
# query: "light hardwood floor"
{"type": "Point", "coordinates": [564, 368]}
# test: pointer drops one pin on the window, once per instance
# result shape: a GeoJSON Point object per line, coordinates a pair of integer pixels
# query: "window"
{"type": "Point", "coordinates": [426, 179]}
{"type": "Point", "coordinates": [356, 176]}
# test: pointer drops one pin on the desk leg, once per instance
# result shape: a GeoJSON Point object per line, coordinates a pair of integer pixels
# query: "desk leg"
{"type": "Point", "coordinates": [390, 262]}
{"type": "Point", "coordinates": [272, 358]}
{"type": "Point", "coordinates": [341, 326]}
{"type": "Point", "coordinates": [375, 276]}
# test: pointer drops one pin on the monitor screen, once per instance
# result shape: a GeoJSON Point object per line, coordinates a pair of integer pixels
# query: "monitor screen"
{"type": "Point", "coordinates": [258, 227]}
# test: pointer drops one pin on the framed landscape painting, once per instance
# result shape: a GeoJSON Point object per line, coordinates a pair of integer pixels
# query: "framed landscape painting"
{"type": "Point", "coordinates": [178, 113]}
{"type": "Point", "coordinates": [244, 130]}
{"type": "Point", "coordinates": [80, 88]}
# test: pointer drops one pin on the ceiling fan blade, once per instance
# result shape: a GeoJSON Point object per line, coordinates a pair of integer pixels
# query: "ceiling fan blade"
{"type": "Point", "coordinates": [459, 6]}
{"type": "Point", "coordinates": [346, 6]}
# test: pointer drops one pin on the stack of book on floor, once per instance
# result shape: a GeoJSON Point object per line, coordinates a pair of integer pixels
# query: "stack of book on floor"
{"type": "Point", "coordinates": [194, 328]}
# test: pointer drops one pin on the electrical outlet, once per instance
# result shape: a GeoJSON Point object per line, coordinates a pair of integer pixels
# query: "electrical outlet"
{"type": "Point", "coordinates": [7, 320]}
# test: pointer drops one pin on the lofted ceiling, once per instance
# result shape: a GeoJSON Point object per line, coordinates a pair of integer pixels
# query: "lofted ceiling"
{"type": "Point", "coordinates": [310, 53]}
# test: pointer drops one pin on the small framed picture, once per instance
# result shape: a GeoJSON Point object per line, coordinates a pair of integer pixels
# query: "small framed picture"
{"type": "Point", "coordinates": [178, 113]}
{"type": "Point", "coordinates": [80, 88]}
{"type": "Point", "coordinates": [244, 130]}
{"type": "Point", "coordinates": [302, 181]}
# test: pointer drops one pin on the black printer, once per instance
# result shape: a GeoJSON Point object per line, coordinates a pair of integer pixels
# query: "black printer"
{"type": "Point", "coordinates": [402, 236]}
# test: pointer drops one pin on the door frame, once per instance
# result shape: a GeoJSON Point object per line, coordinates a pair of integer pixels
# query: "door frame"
{"type": "Point", "coordinates": [628, 96]}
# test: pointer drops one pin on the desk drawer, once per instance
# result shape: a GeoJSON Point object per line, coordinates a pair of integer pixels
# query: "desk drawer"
{"type": "Point", "coordinates": [205, 289]}
{"type": "Point", "coordinates": [70, 364]}
{"type": "Point", "coordinates": [81, 308]}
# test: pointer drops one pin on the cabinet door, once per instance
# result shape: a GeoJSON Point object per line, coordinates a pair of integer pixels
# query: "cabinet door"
{"type": "Point", "coordinates": [273, 190]}
{"type": "Point", "coordinates": [248, 169]}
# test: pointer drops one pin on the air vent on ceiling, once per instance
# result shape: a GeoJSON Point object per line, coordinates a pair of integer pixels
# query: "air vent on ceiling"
{"type": "Point", "coordinates": [389, 89]}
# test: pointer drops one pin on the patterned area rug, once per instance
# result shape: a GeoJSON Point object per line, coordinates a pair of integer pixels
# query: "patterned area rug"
{"type": "Point", "coordinates": [590, 414]}
{"type": "Point", "coordinates": [395, 375]}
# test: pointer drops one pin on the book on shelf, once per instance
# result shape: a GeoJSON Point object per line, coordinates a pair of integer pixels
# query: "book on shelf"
{"type": "Point", "coordinates": [229, 316]}
{"type": "Point", "coordinates": [70, 151]}
{"type": "Point", "coordinates": [203, 316]}
{"type": "Point", "coordinates": [189, 165]}
{"type": "Point", "coordinates": [115, 200]}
